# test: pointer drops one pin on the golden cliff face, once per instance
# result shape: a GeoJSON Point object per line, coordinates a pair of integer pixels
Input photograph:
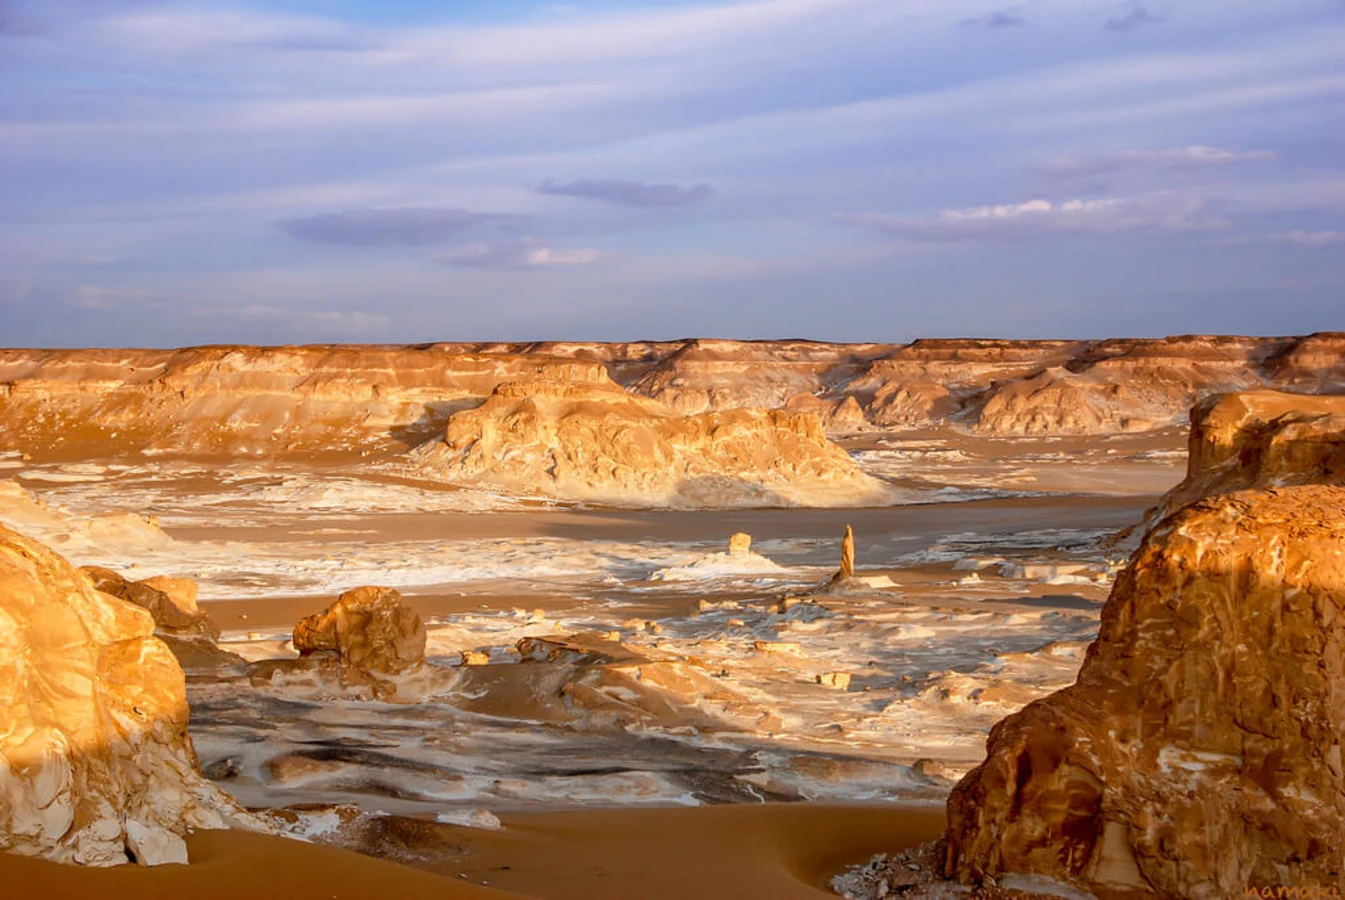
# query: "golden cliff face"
{"type": "Point", "coordinates": [367, 400]}
{"type": "Point", "coordinates": [95, 762]}
{"type": "Point", "coordinates": [1199, 752]}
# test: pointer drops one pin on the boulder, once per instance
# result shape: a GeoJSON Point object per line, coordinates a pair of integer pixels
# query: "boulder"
{"type": "Point", "coordinates": [366, 628]}
{"type": "Point", "coordinates": [95, 763]}
{"type": "Point", "coordinates": [1199, 753]}
{"type": "Point", "coordinates": [171, 601]}
{"type": "Point", "coordinates": [740, 544]}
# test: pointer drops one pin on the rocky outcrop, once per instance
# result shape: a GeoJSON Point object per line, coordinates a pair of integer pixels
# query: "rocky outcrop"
{"type": "Point", "coordinates": [363, 400]}
{"type": "Point", "coordinates": [599, 443]}
{"type": "Point", "coordinates": [95, 763]}
{"type": "Point", "coordinates": [367, 628]}
{"type": "Point", "coordinates": [1199, 753]}
{"type": "Point", "coordinates": [1262, 439]}
{"type": "Point", "coordinates": [171, 601]}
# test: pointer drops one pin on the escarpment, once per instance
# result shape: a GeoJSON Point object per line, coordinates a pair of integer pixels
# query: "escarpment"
{"type": "Point", "coordinates": [383, 400]}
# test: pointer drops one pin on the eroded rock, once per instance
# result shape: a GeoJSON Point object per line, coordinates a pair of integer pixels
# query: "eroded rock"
{"type": "Point", "coordinates": [95, 763]}
{"type": "Point", "coordinates": [366, 628]}
{"type": "Point", "coordinates": [1198, 753]}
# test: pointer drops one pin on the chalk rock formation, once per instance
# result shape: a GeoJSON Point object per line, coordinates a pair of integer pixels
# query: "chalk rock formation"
{"type": "Point", "coordinates": [171, 601]}
{"type": "Point", "coordinates": [1200, 750]}
{"type": "Point", "coordinates": [1262, 439]}
{"type": "Point", "coordinates": [362, 400]}
{"type": "Point", "coordinates": [95, 762]}
{"type": "Point", "coordinates": [367, 628]}
{"type": "Point", "coordinates": [740, 544]}
{"type": "Point", "coordinates": [596, 442]}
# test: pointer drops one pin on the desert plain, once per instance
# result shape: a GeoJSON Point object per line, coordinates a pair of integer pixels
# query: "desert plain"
{"type": "Point", "coordinates": [620, 649]}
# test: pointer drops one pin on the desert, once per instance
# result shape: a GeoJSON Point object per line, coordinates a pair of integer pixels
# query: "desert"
{"type": "Point", "coordinates": [523, 650]}
{"type": "Point", "coordinates": [672, 449]}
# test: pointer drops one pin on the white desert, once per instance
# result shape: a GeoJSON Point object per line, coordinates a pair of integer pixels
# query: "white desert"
{"type": "Point", "coordinates": [664, 620]}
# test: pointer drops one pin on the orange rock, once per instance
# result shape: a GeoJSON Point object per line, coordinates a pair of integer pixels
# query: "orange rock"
{"type": "Point", "coordinates": [367, 628]}
{"type": "Point", "coordinates": [1199, 752]}
{"type": "Point", "coordinates": [95, 761]}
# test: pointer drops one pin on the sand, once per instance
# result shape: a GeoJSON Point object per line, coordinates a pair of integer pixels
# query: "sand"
{"type": "Point", "coordinates": [772, 851]}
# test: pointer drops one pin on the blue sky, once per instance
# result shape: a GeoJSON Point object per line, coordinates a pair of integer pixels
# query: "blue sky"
{"type": "Point", "coordinates": [300, 171]}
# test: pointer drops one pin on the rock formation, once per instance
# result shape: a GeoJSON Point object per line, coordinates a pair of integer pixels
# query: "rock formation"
{"type": "Point", "coordinates": [1261, 439]}
{"type": "Point", "coordinates": [1199, 752]}
{"type": "Point", "coordinates": [362, 400]}
{"type": "Point", "coordinates": [598, 443]}
{"type": "Point", "coordinates": [95, 763]}
{"type": "Point", "coordinates": [847, 569]}
{"type": "Point", "coordinates": [367, 628]}
{"type": "Point", "coordinates": [171, 601]}
{"type": "Point", "coordinates": [740, 544]}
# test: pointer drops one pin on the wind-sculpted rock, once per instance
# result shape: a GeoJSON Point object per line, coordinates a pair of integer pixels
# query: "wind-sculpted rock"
{"type": "Point", "coordinates": [171, 601]}
{"type": "Point", "coordinates": [1199, 754]}
{"type": "Point", "coordinates": [596, 442]}
{"type": "Point", "coordinates": [1262, 439]}
{"type": "Point", "coordinates": [95, 763]}
{"type": "Point", "coordinates": [366, 628]}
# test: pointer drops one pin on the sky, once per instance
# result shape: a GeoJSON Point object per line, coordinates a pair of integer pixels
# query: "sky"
{"type": "Point", "coordinates": [295, 171]}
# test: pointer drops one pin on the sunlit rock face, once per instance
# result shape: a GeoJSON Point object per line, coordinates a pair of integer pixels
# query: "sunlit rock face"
{"type": "Point", "coordinates": [95, 763]}
{"type": "Point", "coordinates": [1200, 751]}
{"type": "Point", "coordinates": [597, 442]}
{"type": "Point", "coordinates": [367, 628]}
{"type": "Point", "coordinates": [1262, 439]}
{"type": "Point", "coordinates": [170, 601]}
{"type": "Point", "coordinates": [383, 400]}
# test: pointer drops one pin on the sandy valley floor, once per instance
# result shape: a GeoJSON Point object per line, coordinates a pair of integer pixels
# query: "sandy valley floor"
{"type": "Point", "coordinates": [700, 687]}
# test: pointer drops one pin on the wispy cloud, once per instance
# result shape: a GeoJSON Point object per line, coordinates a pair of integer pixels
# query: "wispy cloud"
{"type": "Point", "coordinates": [1167, 210]}
{"type": "Point", "coordinates": [629, 193]}
{"type": "Point", "coordinates": [1134, 17]}
{"type": "Point", "coordinates": [1311, 238]}
{"type": "Point", "coordinates": [998, 19]}
{"type": "Point", "coordinates": [524, 254]}
{"type": "Point", "coordinates": [1195, 156]}
{"type": "Point", "coordinates": [407, 227]}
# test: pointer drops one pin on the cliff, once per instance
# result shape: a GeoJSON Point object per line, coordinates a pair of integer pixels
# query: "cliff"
{"type": "Point", "coordinates": [363, 400]}
{"type": "Point", "coordinates": [1199, 752]}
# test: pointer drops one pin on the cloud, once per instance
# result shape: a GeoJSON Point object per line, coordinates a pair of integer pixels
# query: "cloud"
{"type": "Point", "coordinates": [998, 19]}
{"type": "Point", "coordinates": [518, 255]}
{"type": "Point", "coordinates": [404, 227]}
{"type": "Point", "coordinates": [1133, 18]}
{"type": "Point", "coordinates": [1311, 238]}
{"type": "Point", "coordinates": [629, 193]}
{"type": "Point", "coordinates": [1167, 210]}
{"type": "Point", "coordinates": [1194, 156]}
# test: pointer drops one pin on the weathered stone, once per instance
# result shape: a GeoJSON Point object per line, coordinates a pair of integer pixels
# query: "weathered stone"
{"type": "Point", "coordinates": [171, 601]}
{"type": "Point", "coordinates": [740, 544]}
{"type": "Point", "coordinates": [367, 628]}
{"type": "Point", "coordinates": [95, 760]}
{"type": "Point", "coordinates": [1194, 755]}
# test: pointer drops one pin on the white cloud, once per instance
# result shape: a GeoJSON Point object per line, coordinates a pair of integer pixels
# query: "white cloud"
{"type": "Point", "coordinates": [519, 255]}
{"type": "Point", "coordinates": [1312, 238]}
{"type": "Point", "coordinates": [1167, 210]}
{"type": "Point", "coordinates": [1194, 156]}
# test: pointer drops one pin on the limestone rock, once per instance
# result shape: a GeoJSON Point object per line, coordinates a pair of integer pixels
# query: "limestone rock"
{"type": "Point", "coordinates": [1261, 439]}
{"type": "Point", "coordinates": [171, 601]}
{"type": "Point", "coordinates": [366, 628]}
{"type": "Point", "coordinates": [1199, 752]}
{"type": "Point", "coordinates": [740, 544]}
{"type": "Point", "coordinates": [596, 442]}
{"type": "Point", "coordinates": [95, 761]}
